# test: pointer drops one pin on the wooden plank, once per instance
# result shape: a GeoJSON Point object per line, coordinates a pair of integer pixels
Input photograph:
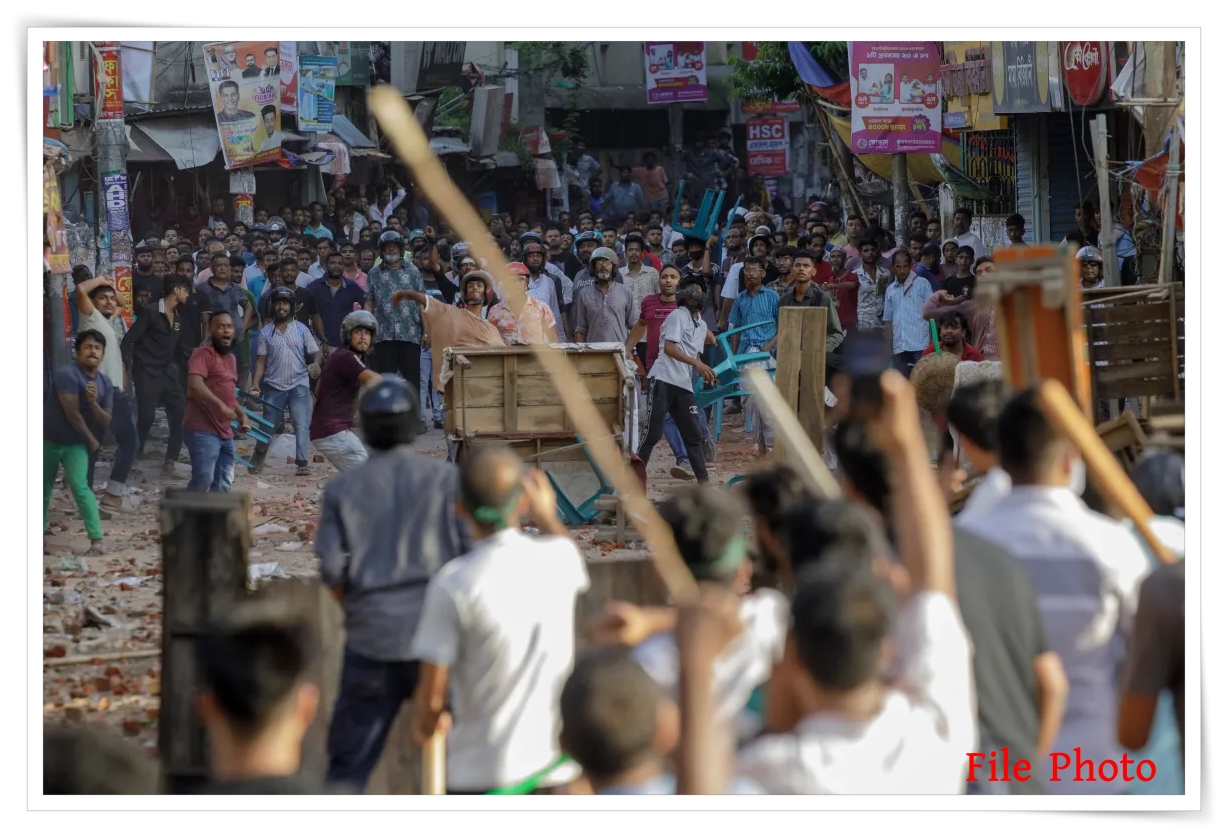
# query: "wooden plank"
{"type": "Point", "coordinates": [510, 418]}
{"type": "Point", "coordinates": [1135, 388]}
{"type": "Point", "coordinates": [544, 418]}
{"type": "Point", "coordinates": [1153, 330]}
{"type": "Point", "coordinates": [789, 354]}
{"type": "Point", "coordinates": [1158, 350]}
{"type": "Point", "coordinates": [490, 365]}
{"type": "Point", "coordinates": [811, 408]}
{"type": "Point", "coordinates": [1133, 372]}
{"type": "Point", "coordinates": [1128, 313]}
{"type": "Point", "coordinates": [205, 542]}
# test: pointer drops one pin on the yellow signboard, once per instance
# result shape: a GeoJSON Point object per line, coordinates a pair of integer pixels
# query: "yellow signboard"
{"type": "Point", "coordinates": [967, 88]}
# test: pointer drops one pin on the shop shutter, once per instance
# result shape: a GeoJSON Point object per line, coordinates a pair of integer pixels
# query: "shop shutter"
{"type": "Point", "coordinates": [1027, 164]}
{"type": "Point", "coordinates": [1072, 172]}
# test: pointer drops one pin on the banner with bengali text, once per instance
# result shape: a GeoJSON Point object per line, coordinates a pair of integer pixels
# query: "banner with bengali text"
{"type": "Point", "coordinates": [245, 81]}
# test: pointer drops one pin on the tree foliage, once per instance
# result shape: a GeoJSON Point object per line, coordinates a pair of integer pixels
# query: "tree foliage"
{"type": "Point", "coordinates": [772, 74]}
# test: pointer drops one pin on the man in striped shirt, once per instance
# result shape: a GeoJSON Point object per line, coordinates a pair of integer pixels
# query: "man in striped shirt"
{"type": "Point", "coordinates": [286, 355]}
{"type": "Point", "coordinates": [1085, 569]}
{"type": "Point", "coordinates": [757, 307]}
{"type": "Point", "coordinates": [902, 305]}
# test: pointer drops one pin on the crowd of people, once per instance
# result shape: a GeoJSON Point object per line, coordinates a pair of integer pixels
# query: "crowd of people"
{"type": "Point", "coordinates": [866, 645]}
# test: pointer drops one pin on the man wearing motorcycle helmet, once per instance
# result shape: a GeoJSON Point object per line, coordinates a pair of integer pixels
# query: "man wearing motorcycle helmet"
{"type": "Point", "coordinates": [344, 373]}
{"type": "Point", "coordinates": [287, 355]}
{"type": "Point", "coordinates": [398, 346]}
{"type": "Point", "coordinates": [545, 286]}
{"type": "Point", "coordinates": [586, 243]}
{"type": "Point", "coordinates": [605, 310]}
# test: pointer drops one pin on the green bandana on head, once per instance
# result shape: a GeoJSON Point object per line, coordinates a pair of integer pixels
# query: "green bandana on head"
{"type": "Point", "coordinates": [492, 516]}
{"type": "Point", "coordinates": [726, 564]}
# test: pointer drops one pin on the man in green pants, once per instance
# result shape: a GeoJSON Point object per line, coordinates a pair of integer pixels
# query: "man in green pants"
{"type": "Point", "coordinates": [77, 415]}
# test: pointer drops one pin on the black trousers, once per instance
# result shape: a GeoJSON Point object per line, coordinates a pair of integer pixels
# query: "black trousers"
{"type": "Point", "coordinates": [368, 700]}
{"type": "Point", "coordinates": [679, 403]}
{"type": "Point", "coordinates": [162, 388]}
{"type": "Point", "coordinates": [400, 357]}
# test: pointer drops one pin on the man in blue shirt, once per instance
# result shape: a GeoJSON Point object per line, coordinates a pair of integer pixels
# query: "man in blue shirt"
{"type": "Point", "coordinates": [926, 265]}
{"type": "Point", "coordinates": [285, 356]}
{"type": "Point", "coordinates": [758, 307]}
{"type": "Point", "coordinates": [316, 227]}
{"type": "Point", "coordinates": [625, 195]}
{"type": "Point", "coordinates": [902, 305]}
{"type": "Point", "coordinates": [334, 297]}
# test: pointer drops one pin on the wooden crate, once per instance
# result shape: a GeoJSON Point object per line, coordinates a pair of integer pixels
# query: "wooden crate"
{"type": "Point", "coordinates": [1136, 345]}
{"type": "Point", "coordinates": [504, 393]}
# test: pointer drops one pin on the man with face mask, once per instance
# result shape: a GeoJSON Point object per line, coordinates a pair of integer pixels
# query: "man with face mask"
{"type": "Point", "coordinates": [543, 286]}
{"type": "Point", "coordinates": [398, 347]}
{"type": "Point", "coordinates": [287, 355]}
{"type": "Point", "coordinates": [1080, 563]}
{"type": "Point", "coordinates": [605, 310]}
{"type": "Point", "coordinates": [683, 336]}
{"type": "Point", "coordinates": [213, 375]}
{"type": "Point", "coordinates": [586, 243]}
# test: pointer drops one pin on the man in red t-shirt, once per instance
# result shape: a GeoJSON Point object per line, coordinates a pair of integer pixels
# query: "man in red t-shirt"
{"type": "Point", "coordinates": [343, 375]}
{"type": "Point", "coordinates": [212, 406]}
{"type": "Point", "coordinates": [842, 285]}
{"type": "Point", "coordinates": [953, 334]}
{"type": "Point", "coordinates": [653, 310]}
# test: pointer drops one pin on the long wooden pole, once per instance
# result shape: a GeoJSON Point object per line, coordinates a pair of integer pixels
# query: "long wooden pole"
{"type": "Point", "coordinates": [434, 765]}
{"type": "Point", "coordinates": [412, 145]}
{"type": "Point", "coordinates": [1103, 468]}
{"type": "Point", "coordinates": [807, 460]}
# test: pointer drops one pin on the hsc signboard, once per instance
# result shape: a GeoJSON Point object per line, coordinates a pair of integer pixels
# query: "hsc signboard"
{"type": "Point", "coordinates": [767, 146]}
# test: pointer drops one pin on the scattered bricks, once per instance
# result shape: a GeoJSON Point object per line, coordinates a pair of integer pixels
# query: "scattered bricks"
{"type": "Point", "coordinates": [55, 652]}
{"type": "Point", "coordinates": [132, 727]}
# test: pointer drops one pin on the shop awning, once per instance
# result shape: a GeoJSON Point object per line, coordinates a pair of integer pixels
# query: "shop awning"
{"type": "Point", "coordinates": [190, 140]}
{"type": "Point", "coordinates": [344, 131]}
{"type": "Point", "coordinates": [142, 148]}
{"type": "Point", "coordinates": [921, 169]}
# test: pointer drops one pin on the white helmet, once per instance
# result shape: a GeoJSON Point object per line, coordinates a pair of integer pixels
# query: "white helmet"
{"type": "Point", "coordinates": [1089, 254]}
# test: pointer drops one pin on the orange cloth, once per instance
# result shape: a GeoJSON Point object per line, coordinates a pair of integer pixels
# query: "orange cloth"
{"type": "Point", "coordinates": [456, 327]}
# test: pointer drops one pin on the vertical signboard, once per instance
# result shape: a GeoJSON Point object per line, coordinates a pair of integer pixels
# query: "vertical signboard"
{"type": "Point", "coordinates": [767, 146]}
{"type": "Point", "coordinates": [108, 81]}
{"type": "Point", "coordinates": [109, 103]}
{"type": "Point", "coordinates": [245, 85]}
{"type": "Point", "coordinates": [676, 71]}
{"type": "Point", "coordinates": [895, 96]}
{"type": "Point", "coordinates": [289, 76]}
{"type": "Point", "coordinates": [317, 79]}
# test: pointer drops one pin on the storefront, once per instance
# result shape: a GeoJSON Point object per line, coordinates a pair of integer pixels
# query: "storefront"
{"type": "Point", "coordinates": [987, 144]}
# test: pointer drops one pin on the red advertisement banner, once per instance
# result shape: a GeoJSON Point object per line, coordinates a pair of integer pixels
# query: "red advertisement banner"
{"type": "Point", "coordinates": [108, 81]}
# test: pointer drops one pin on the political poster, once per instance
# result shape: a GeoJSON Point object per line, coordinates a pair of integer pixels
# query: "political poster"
{"type": "Point", "coordinates": [896, 104]}
{"type": "Point", "coordinates": [245, 84]}
{"type": "Point", "coordinates": [317, 83]}
{"type": "Point", "coordinates": [767, 146]}
{"type": "Point", "coordinates": [676, 71]}
{"type": "Point", "coordinates": [289, 76]}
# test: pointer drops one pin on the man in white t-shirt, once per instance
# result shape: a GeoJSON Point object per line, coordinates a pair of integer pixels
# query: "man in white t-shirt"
{"type": "Point", "coordinates": [683, 335]}
{"type": "Point", "coordinates": [842, 730]}
{"type": "Point", "coordinates": [98, 309]}
{"type": "Point", "coordinates": [498, 633]}
{"type": "Point", "coordinates": [707, 527]}
{"type": "Point", "coordinates": [965, 238]}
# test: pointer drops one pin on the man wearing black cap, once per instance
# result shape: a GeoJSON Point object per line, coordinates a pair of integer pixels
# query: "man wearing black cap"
{"type": "Point", "coordinates": [377, 554]}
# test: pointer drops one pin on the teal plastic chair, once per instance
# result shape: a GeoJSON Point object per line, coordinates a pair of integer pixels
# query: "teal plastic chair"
{"type": "Point", "coordinates": [261, 429]}
{"type": "Point", "coordinates": [729, 378]}
{"type": "Point", "coordinates": [577, 515]}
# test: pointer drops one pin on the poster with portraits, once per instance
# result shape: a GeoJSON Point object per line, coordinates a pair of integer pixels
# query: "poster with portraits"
{"type": "Point", "coordinates": [896, 103]}
{"type": "Point", "coordinates": [245, 85]}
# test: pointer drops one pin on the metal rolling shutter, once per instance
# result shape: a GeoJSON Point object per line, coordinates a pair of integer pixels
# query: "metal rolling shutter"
{"type": "Point", "coordinates": [1026, 168]}
{"type": "Point", "coordinates": [1072, 172]}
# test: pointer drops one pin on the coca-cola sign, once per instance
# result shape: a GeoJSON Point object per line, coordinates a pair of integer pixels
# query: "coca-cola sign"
{"type": "Point", "coordinates": [1085, 70]}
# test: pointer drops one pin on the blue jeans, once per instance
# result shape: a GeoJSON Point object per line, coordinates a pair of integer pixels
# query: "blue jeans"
{"type": "Point", "coordinates": [431, 401]}
{"type": "Point", "coordinates": [213, 461]}
{"type": "Point", "coordinates": [905, 361]}
{"type": "Point", "coordinates": [674, 437]}
{"type": "Point", "coordinates": [368, 699]}
{"type": "Point", "coordinates": [298, 400]}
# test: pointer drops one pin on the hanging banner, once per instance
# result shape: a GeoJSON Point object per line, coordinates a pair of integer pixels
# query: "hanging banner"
{"type": "Point", "coordinates": [137, 70]}
{"type": "Point", "coordinates": [243, 182]}
{"type": "Point", "coordinates": [245, 84]}
{"type": "Point", "coordinates": [767, 146]}
{"type": "Point", "coordinates": [289, 76]}
{"type": "Point", "coordinates": [895, 96]}
{"type": "Point", "coordinates": [352, 60]}
{"type": "Point", "coordinates": [317, 79]}
{"type": "Point", "coordinates": [676, 71]}
{"type": "Point", "coordinates": [57, 237]}
{"type": "Point", "coordinates": [108, 81]}
{"type": "Point", "coordinates": [123, 289]}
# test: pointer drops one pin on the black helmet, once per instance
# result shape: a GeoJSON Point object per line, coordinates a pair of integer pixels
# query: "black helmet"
{"type": "Point", "coordinates": [530, 236]}
{"type": "Point", "coordinates": [281, 293]}
{"type": "Point", "coordinates": [693, 287]}
{"type": "Point", "coordinates": [388, 414]}
{"type": "Point", "coordinates": [390, 237]}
